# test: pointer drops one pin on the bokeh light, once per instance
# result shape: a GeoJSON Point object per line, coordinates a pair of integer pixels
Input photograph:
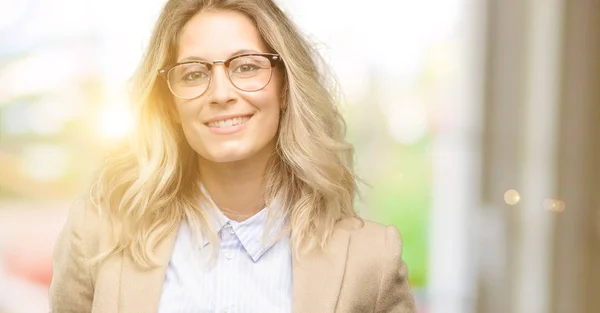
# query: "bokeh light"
{"type": "Point", "coordinates": [554, 205]}
{"type": "Point", "coordinates": [512, 197]}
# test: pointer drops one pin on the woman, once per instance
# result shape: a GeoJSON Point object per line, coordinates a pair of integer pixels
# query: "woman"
{"type": "Point", "coordinates": [236, 191]}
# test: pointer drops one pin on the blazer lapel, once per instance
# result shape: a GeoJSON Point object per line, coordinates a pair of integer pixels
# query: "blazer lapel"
{"type": "Point", "coordinates": [317, 276]}
{"type": "Point", "coordinates": [141, 289]}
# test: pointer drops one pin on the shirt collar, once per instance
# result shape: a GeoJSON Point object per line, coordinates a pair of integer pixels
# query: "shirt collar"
{"type": "Point", "coordinates": [249, 232]}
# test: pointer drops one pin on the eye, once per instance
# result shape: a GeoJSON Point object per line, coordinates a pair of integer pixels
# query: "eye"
{"type": "Point", "coordinates": [194, 76]}
{"type": "Point", "coordinates": [244, 68]}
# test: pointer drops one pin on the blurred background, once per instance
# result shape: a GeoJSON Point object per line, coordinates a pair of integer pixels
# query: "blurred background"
{"type": "Point", "coordinates": [476, 125]}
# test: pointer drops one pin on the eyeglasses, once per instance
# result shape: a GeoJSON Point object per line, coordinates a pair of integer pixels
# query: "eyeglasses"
{"type": "Point", "coordinates": [247, 72]}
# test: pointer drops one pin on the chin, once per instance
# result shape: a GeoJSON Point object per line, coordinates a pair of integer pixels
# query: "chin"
{"type": "Point", "coordinates": [224, 158]}
{"type": "Point", "coordinates": [225, 154]}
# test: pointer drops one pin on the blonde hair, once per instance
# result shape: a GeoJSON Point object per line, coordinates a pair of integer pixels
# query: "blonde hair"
{"type": "Point", "coordinates": [151, 185]}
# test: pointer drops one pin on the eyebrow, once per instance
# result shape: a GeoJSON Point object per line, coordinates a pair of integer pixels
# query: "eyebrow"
{"type": "Point", "coordinates": [196, 58]}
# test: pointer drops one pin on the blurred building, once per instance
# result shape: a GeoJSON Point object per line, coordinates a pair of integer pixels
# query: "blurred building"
{"type": "Point", "coordinates": [541, 127]}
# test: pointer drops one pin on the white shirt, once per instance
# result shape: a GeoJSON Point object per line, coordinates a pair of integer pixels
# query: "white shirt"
{"type": "Point", "coordinates": [248, 276]}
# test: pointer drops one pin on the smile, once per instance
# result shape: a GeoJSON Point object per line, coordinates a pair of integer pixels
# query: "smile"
{"type": "Point", "coordinates": [229, 122]}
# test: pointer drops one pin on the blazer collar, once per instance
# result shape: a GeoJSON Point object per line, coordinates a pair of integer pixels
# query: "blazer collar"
{"type": "Point", "coordinates": [141, 289]}
{"type": "Point", "coordinates": [317, 278]}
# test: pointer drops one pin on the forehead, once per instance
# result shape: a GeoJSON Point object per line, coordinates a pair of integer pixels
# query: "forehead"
{"type": "Point", "coordinates": [216, 35]}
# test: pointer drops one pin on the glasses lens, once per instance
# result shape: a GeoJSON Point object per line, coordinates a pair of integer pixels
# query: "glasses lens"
{"type": "Point", "coordinates": [188, 81]}
{"type": "Point", "coordinates": [250, 73]}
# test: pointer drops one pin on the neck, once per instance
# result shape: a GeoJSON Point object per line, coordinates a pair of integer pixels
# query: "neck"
{"type": "Point", "coordinates": [236, 187]}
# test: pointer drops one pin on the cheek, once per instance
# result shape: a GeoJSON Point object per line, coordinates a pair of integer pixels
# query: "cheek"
{"type": "Point", "coordinates": [268, 106]}
{"type": "Point", "coordinates": [187, 111]}
{"type": "Point", "coordinates": [271, 98]}
{"type": "Point", "coordinates": [266, 125]}
{"type": "Point", "coordinates": [187, 116]}
{"type": "Point", "coordinates": [265, 103]}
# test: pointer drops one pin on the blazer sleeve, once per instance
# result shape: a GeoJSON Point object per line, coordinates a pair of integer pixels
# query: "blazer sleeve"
{"type": "Point", "coordinates": [394, 295]}
{"type": "Point", "coordinates": [71, 289]}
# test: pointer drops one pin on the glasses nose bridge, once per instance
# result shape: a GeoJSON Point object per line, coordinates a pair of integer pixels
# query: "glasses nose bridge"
{"type": "Point", "coordinates": [213, 77]}
{"type": "Point", "coordinates": [212, 65]}
{"type": "Point", "coordinates": [223, 62]}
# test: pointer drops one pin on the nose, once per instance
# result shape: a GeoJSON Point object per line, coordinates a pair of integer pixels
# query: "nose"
{"type": "Point", "coordinates": [220, 90]}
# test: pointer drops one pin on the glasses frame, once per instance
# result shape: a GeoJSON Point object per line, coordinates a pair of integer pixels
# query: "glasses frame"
{"type": "Point", "coordinates": [273, 58]}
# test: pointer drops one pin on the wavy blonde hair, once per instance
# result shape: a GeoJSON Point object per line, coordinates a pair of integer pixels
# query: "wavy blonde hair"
{"type": "Point", "coordinates": [147, 188]}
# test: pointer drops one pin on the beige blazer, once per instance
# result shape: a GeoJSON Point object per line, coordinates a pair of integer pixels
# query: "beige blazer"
{"type": "Point", "coordinates": [360, 271]}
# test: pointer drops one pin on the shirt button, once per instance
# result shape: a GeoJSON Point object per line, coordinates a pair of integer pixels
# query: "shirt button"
{"type": "Point", "coordinates": [228, 256]}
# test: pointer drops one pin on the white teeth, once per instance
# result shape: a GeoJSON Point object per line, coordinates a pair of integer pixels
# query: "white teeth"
{"type": "Point", "coordinates": [230, 122]}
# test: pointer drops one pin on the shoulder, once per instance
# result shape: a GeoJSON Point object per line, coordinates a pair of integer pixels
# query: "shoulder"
{"type": "Point", "coordinates": [370, 235]}
{"type": "Point", "coordinates": [71, 289]}
{"type": "Point", "coordinates": [371, 245]}
{"type": "Point", "coordinates": [84, 216]}
{"type": "Point", "coordinates": [377, 273]}
{"type": "Point", "coordinates": [82, 229]}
